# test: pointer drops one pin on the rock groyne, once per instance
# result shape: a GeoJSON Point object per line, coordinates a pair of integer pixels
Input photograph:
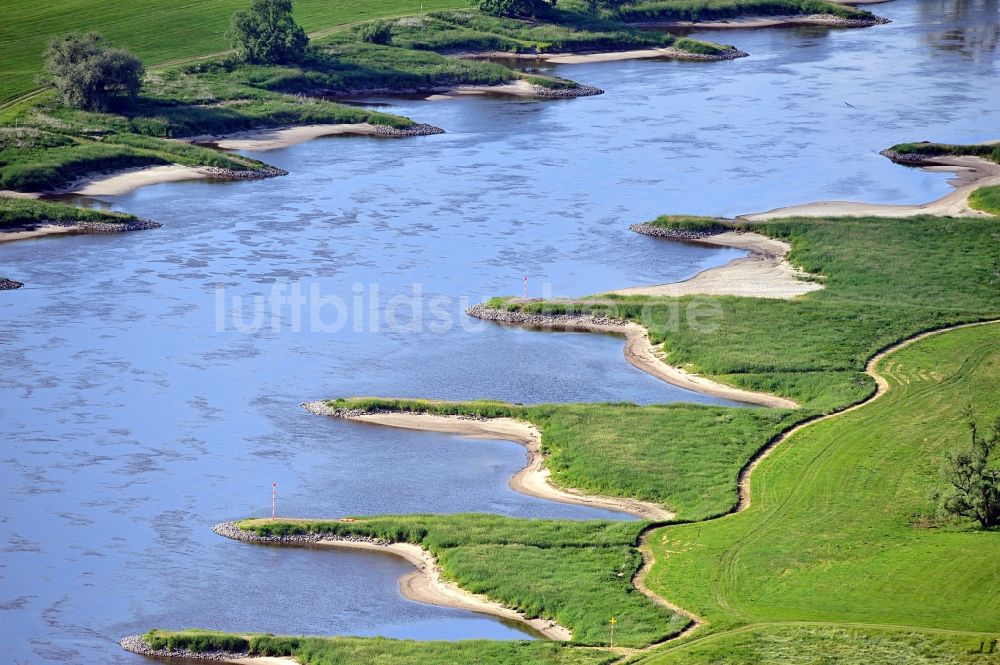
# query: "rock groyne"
{"type": "Point", "coordinates": [9, 284]}
{"type": "Point", "coordinates": [535, 320]}
{"type": "Point", "coordinates": [676, 234]}
{"type": "Point", "coordinates": [233, 531]}
{"type": "Point", "coordinates": [248, 174]}
{"type": "Point", "coordinates": [137, 644]}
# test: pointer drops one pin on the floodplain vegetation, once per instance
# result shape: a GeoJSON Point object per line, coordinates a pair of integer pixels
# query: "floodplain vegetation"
{"type": "Point", "coordinates": [844, 515]}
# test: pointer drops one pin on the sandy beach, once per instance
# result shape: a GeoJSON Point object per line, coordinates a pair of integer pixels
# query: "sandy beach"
{"type": "Point", "coordinates": [639, 352]}
{"type": "Point", "coordinates": [532, 480]}
{"type": "Point", "coordinates": [971, 173]}
{"type": "Point", "coordinates": [281, 137]}
{"type": "Point", "coordinates": [125, 181]}
{"type": "Point", "coordinates": [642, 354]}
{"type": "Point", "coordinates": [426, 584]}
{"type": "Point", "coordinates": [25, 233]}
{"type": "Point", "coordinates": [638, 54]}
{"type": "Point", "coordinates": [765, 273]}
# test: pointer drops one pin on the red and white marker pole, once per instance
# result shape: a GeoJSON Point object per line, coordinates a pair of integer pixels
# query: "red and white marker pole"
{"type": "Point", "coordinates": [274, 500]}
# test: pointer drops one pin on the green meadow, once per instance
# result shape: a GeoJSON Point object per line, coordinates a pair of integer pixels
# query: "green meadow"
{"type": "Point", "coordinates": [161, 32]}
{"type": "Point", "coordinates": [843, 527]}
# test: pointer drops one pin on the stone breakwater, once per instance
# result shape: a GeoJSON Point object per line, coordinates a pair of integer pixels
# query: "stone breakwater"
{"type": "Point", "coordinates": [324, 409]}
{"type": "Point", "coordinates": [728, 54]}
{"type": "Point", "coordinates": [9, 284]}
{"type": "Point", "coordinates": [249, 174]}
{"type": "Point", "coordinates": [234, 532]}
{"type": "Point", "coordinates": [419, 129]}
{"type": "Point", "coordinates": [910, 158]}
{"type": "Point", "coordinates": [137, 644]}
{"type": "Point", "coordinates": [137, 224]}
{"type": "Point", "coordinates": [844, 22]}
{"type": "Point", "coordinates": [536, 320]}
{"type": "Point", "coordinates": [566, 93]}
{"type": "Point", "coordinates": [676, 234]}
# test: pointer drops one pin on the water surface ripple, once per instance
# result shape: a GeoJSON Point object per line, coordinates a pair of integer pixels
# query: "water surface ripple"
{"type": "Point", "coordinates": [131, 423]}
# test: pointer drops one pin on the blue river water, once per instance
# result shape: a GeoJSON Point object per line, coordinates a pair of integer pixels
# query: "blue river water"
{"type": "Point", "coordinates": [146, 396]}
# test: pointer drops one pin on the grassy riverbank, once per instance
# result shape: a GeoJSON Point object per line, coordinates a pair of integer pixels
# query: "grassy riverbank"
{"type": "Point", "coordinates": [990, 151]}
{"type": "Point", "coordinates": [576, 573]}
{"type": "Point", "coordinates": [986, 199]}
{"type": "Point", "coordinates": [45, 146]}
{"type": "Point", "coordinates": [563, 30]}
{"type": "Point", "coordinates": [683, 456]}
{"type": "Point", "coordinates": [844, 528]}
{"type": "Point", "coordinates": [333, 651]}
{"type": "Point", "coordinates": [885, 280]}
{"type": "Point", "coordinates": [711, 10]}
{"type": "Point", "coordinates": [27, 212]}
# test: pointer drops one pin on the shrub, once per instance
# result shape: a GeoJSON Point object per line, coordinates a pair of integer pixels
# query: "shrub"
{"type": "Point", "coordinates": [375, 32]}
{"type": "Point", "coordinates": [88, 74]}
{"type": "Point", "coordinates": [268, 34]}
{"type": "Point", "coordinates": [513, 8]}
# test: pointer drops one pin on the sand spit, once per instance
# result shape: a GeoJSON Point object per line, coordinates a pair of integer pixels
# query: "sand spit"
{"type": "Point", "coordinates": [578, 58]}
{"type": "Point", "coordinates": [520, 88]}
{"type": "Point", "coordinates": [283, 137]}
{"type": "Point", "coordinates": [611, 56]}
{"type": "Point", "coordinates": [971, 173]}
{"type": "Point", "coordinates": [769, 21]}
{"type": "Point", "coordinates": [639, 351]}
{"type": "Point", "coordinates": [765, 273]}
{"type": "Point", "coordinates": [48, 228]}
{"type": "Point", "coordinates": [533, 479]}
{"type": "Point", "coordinates": [426, 584]}
{"type": "Point", "coordinates": [123, 182]}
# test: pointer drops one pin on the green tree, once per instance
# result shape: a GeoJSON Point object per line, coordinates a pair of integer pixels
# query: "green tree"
{"type": "Point", "coordinates": [90, 74]}
{"type": "Point", "coordinates": [268, 34]}
{"type": "Point", "coordinates": [975, 486]}
{"type": "Point", "coordinates": [514, 8]}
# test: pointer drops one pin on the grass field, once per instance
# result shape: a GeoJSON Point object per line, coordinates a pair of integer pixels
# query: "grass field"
{"type": "Point", "coordinates": [343, 650]}
{"type": "Point", "coordinates": [577, 573]}
{"type": "Point", "coordinates": [805, 644]}
{"type": "Point", "coordinates": [843, 526]}
{"type": "Point", "coordinates": [160, 32]}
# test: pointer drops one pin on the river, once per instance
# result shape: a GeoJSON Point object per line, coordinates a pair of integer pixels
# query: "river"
{"type": "Point", "coordinates": [139, 409]}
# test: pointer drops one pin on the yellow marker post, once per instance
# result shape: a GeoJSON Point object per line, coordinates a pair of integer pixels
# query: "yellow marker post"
{"type": "Point", "coordinates": [613, 622]}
